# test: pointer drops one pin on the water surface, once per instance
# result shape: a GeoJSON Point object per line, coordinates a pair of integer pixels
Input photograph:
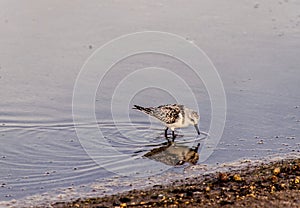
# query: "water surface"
{"type": "Point", "coordinates": [255, 48]}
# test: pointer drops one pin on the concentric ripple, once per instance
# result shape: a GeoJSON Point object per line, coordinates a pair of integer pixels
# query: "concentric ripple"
{"type": "Point", "coordinates": [41, 156]}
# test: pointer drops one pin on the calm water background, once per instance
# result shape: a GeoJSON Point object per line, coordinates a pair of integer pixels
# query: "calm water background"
{"type": "Point", "coordinates": [254, 46]}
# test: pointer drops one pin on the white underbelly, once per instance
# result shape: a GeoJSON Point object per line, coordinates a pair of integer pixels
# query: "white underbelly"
{"type": "Point", "coordinates": [177, 124]}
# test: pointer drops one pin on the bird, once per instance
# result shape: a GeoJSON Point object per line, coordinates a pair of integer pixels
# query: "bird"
{"type": "Point", "coordinates": [172, 116]}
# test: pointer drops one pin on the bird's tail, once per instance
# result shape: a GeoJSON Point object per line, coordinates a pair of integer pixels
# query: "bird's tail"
{"type": "Point", "coordinates": [140, 108]}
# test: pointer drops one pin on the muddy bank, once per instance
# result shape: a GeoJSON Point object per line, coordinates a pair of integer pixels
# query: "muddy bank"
{"type": "Point", "coordinates": [274, 184]}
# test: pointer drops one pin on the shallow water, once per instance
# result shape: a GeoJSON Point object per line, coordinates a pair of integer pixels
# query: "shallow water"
{"type": "Point", "coordinates": [41, 56]}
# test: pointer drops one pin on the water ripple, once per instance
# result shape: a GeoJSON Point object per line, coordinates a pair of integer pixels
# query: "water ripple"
{"type": "Point", "coordinates": [39, 156]}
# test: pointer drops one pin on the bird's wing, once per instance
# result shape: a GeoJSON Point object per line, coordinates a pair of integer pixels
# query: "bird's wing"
{"type": "Point", "coordinates": [167, 113]}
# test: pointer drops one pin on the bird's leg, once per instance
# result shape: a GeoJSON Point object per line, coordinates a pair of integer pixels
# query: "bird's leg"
{"type": "Point", "coordinates": [173, 136]}
{"type": "Point", "coordinates": [166, 133]}
{"type": "Point", "coordinates": [197, 147]}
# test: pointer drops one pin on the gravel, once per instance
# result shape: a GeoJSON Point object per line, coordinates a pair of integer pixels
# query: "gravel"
{"type": "Point", "coordinates": [275, 184]}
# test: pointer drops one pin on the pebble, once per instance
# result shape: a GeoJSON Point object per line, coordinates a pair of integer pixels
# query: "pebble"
{"type": "Point", "coordinates": [276, 171]}
{"type": "Point", "coordinates": [223, 177]}
{"type": "Point", "coordinates": [297, 179]}
{"type": "Point", "coordinates": [237, 177]}
{"type": "Point", "coordinates": [291, 137]}
{"type": "Point", "coordinates": [274, 179]}
{"type": "Point", "coordinates": [260, 142]}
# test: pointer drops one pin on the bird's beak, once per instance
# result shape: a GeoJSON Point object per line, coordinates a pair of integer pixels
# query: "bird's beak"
{"type": "Point", "coordinates": [197, 129]}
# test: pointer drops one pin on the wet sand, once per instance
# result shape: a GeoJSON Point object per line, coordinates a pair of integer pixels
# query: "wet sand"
{"type": "Point", "coordinates": [274, 184]}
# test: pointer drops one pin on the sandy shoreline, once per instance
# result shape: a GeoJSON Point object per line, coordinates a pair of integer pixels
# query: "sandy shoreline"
{"type": "Point", "coordinates": [274, 184]}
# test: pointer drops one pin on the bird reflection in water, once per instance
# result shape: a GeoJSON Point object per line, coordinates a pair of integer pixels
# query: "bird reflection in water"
{"type": "Point", "coordinates": [174, 154]}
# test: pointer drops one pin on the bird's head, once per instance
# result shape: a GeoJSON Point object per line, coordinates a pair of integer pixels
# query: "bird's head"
{"type": "Point", "coordinates": [194, 120]}
{"type": "Point", "coordinates": [194, 117]}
